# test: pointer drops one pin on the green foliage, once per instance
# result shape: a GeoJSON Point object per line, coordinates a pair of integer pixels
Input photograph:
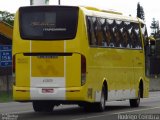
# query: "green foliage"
{"type": "Point", "coordinates": [7, 17]}
{"type": "Point", "coordinates": [140, 11]}
{"type": "Point", "coordinates": [155, 27]}
{"type": "Point", "coordinates": [5, 96]}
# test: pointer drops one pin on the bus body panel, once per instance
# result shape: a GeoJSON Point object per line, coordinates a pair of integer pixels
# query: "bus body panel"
{"type": "Point", "coordinates": [60, 72]}
{"type": "Point", "coordinates": [111, 65]}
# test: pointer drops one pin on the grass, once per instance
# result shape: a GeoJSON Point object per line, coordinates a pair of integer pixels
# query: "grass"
{"type": "Point", "coordinates": [5, 96]}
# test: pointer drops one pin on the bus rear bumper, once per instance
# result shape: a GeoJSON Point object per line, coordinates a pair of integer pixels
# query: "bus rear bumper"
{"type": "Point", "coordinates": [21, 93]}
{"type": "Point", "coordinates": [62, 94]}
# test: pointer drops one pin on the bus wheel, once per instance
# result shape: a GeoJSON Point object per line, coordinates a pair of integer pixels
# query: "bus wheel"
{"type": "Point", "coordinates": [100, 106]}
{"type": "Point", "coordinates": [41, 106]}
{"type": "Point", "coordinates": [135, 102]}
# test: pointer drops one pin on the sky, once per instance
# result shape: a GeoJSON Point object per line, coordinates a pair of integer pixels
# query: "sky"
{"type": "Point", "coordinates": [127, 7]}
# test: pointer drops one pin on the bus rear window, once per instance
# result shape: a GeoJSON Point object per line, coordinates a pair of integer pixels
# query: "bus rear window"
{"type": "Point", "coordinates": [48, 22]}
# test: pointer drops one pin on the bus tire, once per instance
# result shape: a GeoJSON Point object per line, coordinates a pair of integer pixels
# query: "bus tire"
{"type": "Point", "coordinates": [41, 106]}
{"type": "Point", "coordinates": [135, 102]}
{"type": "Point", "coordinates": [100, 106]}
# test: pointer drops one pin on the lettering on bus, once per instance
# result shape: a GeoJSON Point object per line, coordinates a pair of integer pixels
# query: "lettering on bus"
{"type": "Point", "coordinates": [37, 24]}
{"type": "Point", "coordinates": [22, 60]}
{"type": "Point", "coordinates": [47, 57]}
{"type": "Point", "coordinates": [47, 80]}
{"type": "Point", "coordinates": [54, 29]}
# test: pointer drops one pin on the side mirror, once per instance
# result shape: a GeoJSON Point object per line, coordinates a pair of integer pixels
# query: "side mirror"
{"type": "Point", "coordinates": [150, 46]}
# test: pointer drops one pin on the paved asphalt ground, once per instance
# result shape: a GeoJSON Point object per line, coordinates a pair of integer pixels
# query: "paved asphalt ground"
{"type": "Point", "coordinates": [117, 110]}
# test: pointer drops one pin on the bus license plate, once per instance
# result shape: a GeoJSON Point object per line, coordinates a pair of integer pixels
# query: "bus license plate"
{"type": "Point", "coordinates": [47, 90]}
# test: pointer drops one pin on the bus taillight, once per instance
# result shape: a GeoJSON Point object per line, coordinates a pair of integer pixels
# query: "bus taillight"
{"type": "Point", "coordinates": [83, 70]}
{"type": "Point", "coordinates": [13, 64]}
{"type": "Point", "coordinates": [13, 69]}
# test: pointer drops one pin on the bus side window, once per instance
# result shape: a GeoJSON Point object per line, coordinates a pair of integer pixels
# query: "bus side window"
{"type": "Point", "coordinates": [107, 34]}
{"type": "Point", "coordinates": [126, 43]}
{"type": "Point", "coordinates": [144, 34]}
{"type": "Point", "coordinates": [95, 29]}
{"type": "Point", "coordinates": [117, 37]}
{"type": "Point", "coordinates": [118, 33]}
{"type": "Point", "coordinates": [138, 40]}
{"type": "Point", "coordinates": [133, 38]}
{"type": "Point", "coordinates": [89, 29]}
{"type": "Point", "coordinates": [111, 24]}
{"type": "Point", "coordinates": [100, 37]}
{"type": "Point", "coordinates": [126, 39]}
{"type": "Point", "coordinates": [99, 31]}
{"type": "Point", "coordinates": [103, 30]}
{"type": "Point", "coordinates": [91, 33]}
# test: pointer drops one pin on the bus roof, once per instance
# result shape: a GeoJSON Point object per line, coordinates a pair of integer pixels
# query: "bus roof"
{"type": "Point", "coordinates": [112, 14]}
{"type": "Point", "coordinates": [100, 10]}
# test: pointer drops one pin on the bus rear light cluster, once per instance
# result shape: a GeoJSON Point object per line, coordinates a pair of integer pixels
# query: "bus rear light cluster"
{"type": "Point", "coordinates": [83, 70]}
{"type": "Point", "coordinates": [13, 69]}
{"type": "Point", "coordinates": [13, 64]}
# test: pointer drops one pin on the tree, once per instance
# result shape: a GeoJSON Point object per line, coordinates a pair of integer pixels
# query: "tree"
{"type": "Point", "coordinates": [7, 17]}
{"type": "Point", "coordinates": [140, 11]}
{"type": "Point", "coordinates": [155, 27]}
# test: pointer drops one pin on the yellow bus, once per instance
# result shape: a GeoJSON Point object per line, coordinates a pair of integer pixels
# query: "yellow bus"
{"type": "Point", "coordinates": [78, 55]}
